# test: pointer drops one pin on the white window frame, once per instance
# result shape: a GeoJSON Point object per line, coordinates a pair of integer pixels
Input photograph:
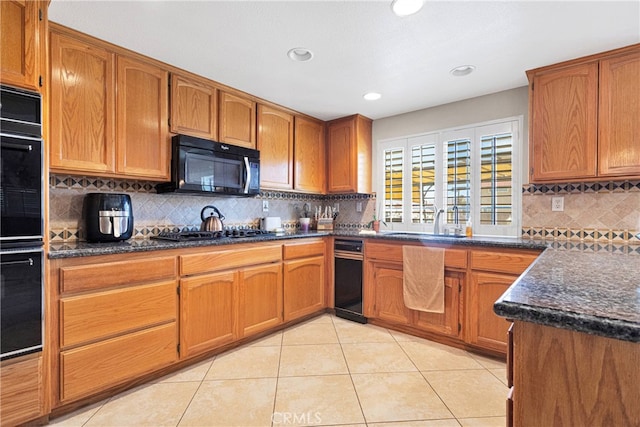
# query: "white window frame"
{"type": "Point", "coordinates": [439, 138]}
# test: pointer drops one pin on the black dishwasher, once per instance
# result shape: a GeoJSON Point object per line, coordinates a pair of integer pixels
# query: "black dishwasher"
{"type": "Point", "coordinates": [348, 256]}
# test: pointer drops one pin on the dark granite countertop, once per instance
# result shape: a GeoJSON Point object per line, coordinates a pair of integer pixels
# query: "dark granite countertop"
{"type": "Point", "coordinates": [596, 292]}
{"type": "Point", "coordinates": [83, 249]}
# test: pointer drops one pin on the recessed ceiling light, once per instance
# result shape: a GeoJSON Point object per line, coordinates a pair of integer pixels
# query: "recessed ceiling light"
{"type": "Point", "coordinates": [372, 96]}
{"type": "Point", "coordinates": [406, 7]}
{"type": "Point", "coordinates": [300, 54]}
{"type": "Point", "coordinates": [463, 70]}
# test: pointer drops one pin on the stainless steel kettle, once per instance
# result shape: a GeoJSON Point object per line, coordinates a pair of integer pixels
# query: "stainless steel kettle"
{"type": "Point", "coordinates": [211, 223]}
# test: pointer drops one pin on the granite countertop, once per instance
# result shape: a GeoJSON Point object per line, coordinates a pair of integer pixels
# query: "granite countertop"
{"type": "Point", "coordinates": [593, 292]}
{"type": "Point", "coordinates": [83, 249]}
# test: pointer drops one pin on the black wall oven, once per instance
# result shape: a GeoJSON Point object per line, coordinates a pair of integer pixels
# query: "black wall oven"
{"type": "Point", "coordinates": [21, 222]}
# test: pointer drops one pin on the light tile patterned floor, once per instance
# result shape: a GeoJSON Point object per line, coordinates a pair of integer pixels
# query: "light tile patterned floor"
{"type": "Point", "coordinates": [324, 372]}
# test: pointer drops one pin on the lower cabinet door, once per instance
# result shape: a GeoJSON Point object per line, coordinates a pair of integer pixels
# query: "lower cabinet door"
{"type": "Point", "coordinates": [303, 287]}
{"type": "Point", "coordinates": [208, 310]}
{"type": "Point", "coordinates": [260, 305]}
{"type": "Point", "coordinates": [487, 329]}
{"type": "Point", "coordinates": [444, 323]}
{"type": "Point", "coordinates": [94, 367]}
{"type": "Point", "coordinates": [21, 391]}
{"type": "Point", "coordinates": [389, 296]}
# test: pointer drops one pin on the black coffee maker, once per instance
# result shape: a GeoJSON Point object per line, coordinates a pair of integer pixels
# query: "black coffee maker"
{"type": "Point", "coordinates": [108, 217]}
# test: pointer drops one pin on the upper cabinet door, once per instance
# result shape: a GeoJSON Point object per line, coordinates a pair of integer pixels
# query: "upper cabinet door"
{"type": "Point", "coordinates": [564, 123]}
{"type": "Point", "coordinates": [619, 116]}
{"type": "Point", "coordinates": [237, 120]}
{"type": "Point", "coordinates": [309, 155]}
{"type": "Point", "coordinates": [275, 142]}
{"type": "Point", "coordinates": [82, 106]}
{"type": "Point", "coordinates": [349, 155]}
{"type": "Point", "coordinates": [142, 141]}
{"type": "Point", "coordinates": [341, 158]}
{"type": "Point", "coordinates": [20, 30]}
{"type": "Point", "coordinates": [193, 107]}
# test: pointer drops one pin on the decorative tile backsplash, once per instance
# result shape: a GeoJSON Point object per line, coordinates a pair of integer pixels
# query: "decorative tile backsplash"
{"type": "Point", "coordinates": [605, 212]}
{"type": "Point", "coordinates": [593, 212]}
{"type": "Point", "coordinates": [170, 211]}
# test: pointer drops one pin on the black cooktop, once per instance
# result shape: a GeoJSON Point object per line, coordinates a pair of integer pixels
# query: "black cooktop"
{"type": "Point", "coordinates": [189, 236]}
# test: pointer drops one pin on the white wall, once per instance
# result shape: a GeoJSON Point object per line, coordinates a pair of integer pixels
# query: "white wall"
{"type": "Point", "coordinates": [509, 103]}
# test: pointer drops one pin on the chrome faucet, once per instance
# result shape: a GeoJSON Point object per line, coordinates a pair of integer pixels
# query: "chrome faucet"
{"type": "Point", "coordinates": [436, 225]}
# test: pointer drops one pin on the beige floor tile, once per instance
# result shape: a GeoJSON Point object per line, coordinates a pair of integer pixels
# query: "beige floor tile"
{"type": "Point", "coordinates": [489, 362]}
{"type": "Point", "coordinates": [77, 418]}
{"type": "Point", "coordinates": [317, 400]}
{"type": "Point", "coordinates": [483, 422]}
{"type": "Point", "coordinates": [274, 339]}
{"type": "Point", "coordinates": [310, 333]}
{"type": "Point", "coordinates": [399, 336]}
{"type": "Point", "coordinates": [246, 362]}
{"type": "Point", "coordinates": [401, 396]}
{"type": "Point", "coordinates": [160, 404]}
{"type": "Point", "coordinates": [376, 357]}
{"type": "Point", "coordinates": [323, 318]}
{"type": "Point", "coordinates": [195, 372]}
{"type": "Point", "coordinates": [312, 359]}
{"type": "Point", "coordinates": [426, 423]}
{"type": "Point", "coordinates": [353, 332]}
{"type": "Point", "coordinates": [430, 356]}
{"type": "Point", "coordinates": [501, 374]}
{"type": "Point", "coordinates": [243, 402]}
{"type": "Point", "coordinates": [470, 393]}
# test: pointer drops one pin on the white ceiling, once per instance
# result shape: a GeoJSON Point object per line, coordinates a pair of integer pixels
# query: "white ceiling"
{"type": "Point", "coordinates": [359, 46]}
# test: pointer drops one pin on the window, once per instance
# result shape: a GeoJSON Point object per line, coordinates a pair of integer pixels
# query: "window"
{"type": "Point", "coordinates": [465, 173]}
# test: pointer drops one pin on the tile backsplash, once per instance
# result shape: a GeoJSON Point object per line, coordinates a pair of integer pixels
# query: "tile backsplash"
{"type": "Point", "coordinates": [593, 212]}
{"type": "Point", "coordinates": [601, 211]}
{"type": "Point", "coordinates": [156, 212]}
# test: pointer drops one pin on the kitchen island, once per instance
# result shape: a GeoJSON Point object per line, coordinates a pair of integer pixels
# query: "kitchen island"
{"type": "Point", "coordinates": [575, 342]}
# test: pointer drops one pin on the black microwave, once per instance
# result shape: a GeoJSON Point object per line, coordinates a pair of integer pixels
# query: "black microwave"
{"type": "Point", "coordinates": [201, 166]}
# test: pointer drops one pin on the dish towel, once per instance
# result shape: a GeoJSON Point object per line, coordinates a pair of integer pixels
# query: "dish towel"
{"type": "Point", "coordinates": [423, 278]}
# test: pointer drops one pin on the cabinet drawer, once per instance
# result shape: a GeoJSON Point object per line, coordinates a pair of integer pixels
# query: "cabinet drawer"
{"type": "Point", "coordinates": [501, 262]}
{"type": "Point", "coordinates": [229, 258]}
{"type": "Point", "coordinates": [110, 274]}
{"type": "Point", "coordinates": [95, 367]}
{"type": "Point", "coordinates": [302, 250]}
{"type": "Point", "coordinates": [453, 258]}
{"type": "Point", "coordinates": [100, 315]}
{"type": "Point", "coordinates": [21, 391]}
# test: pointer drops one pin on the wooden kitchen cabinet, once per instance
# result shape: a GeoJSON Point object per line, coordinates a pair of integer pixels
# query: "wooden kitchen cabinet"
{"type": "Point", "coordinates": [22, 28]}
{"type": "Point", "coordinates": [142, 138]}
{"type": "Point", "coordinates": [194, 107]}
{"type": "Point", "coordinates": [388, 294]}
{"type": "Point", "coordinates": [82, 127]}
{"type": "Point", "coordinates": [112, 328]}
{"type": "Point", "coordinates": [309, 155]}
{"type": "Point", "coordinates": [109, 110]}
{"type": "Point", "coordinates": [275, 142]}
{"type": "Point", "coordinates": [619, 116]}
{"type": "Point", "coordinates": [208, 312]}
{"type": "Point", "coordinates": [565, 377]}
{"type": "Point", "coordinates": [583, 123]}
{"type": "Point", "coordinates": [349, 155]}
{"type": "Point", "coordinates": [384, 278]}
{"type": "Point", "coordinates": [22, 394]}
{"type": "Point", "coordinates": [303, 278]}
{"type": "Point", "coordinates": [228, 294]}
{"type": "Point", "coordinates": [260, 299]}
{"type": "Point", "coordinates": [236, 119]}
{"type": "Point", "coordinates": [493, 272]}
